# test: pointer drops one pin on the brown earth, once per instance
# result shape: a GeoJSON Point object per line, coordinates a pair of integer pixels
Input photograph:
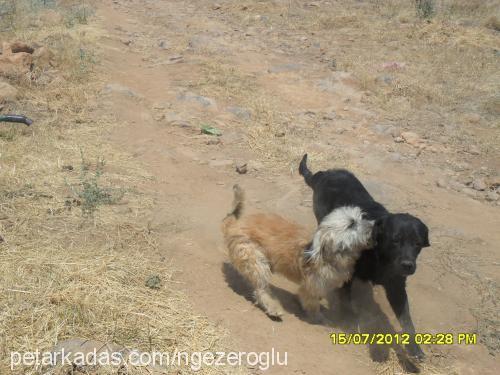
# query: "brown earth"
{"type": "Point", "coordinates": [172, 66]}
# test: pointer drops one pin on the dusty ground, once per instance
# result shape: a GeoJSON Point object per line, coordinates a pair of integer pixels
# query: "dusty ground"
{"type": "Point", "coordinates": [184, 64]}
{"type": "Point", "coordinates": [278, 78]}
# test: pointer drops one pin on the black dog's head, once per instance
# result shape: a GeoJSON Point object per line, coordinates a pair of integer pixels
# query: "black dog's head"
{"type": "Point", "coordinates": [399, 239]}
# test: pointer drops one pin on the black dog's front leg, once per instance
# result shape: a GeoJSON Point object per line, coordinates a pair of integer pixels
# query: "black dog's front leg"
{"type": "Point", "coordinates": [395, 290]}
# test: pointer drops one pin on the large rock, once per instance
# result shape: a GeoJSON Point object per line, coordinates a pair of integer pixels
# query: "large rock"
{"type": "Point", "coordinates": [8, 93]}
{"type": "Point", "coordinates": [14, 64]}
{"type": "Point", "coordinates": [43, 58]}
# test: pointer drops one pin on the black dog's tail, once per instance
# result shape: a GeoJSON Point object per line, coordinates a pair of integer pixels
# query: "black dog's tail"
{"type": "Point", "coordinates": [305, 171]}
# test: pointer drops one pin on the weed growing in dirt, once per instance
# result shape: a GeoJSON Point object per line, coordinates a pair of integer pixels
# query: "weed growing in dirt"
{"type": "Point", "coordinates": [89, 191]}
{"type": "Point", "coordinates": [425, 8]}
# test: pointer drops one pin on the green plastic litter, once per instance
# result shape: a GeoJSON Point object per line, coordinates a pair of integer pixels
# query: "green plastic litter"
{"type": "Point", "coordinates": [210, 130]}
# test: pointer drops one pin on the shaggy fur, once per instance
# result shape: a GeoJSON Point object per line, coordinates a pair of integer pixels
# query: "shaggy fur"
{"type": "Point", "coordinates": [262, 244]}
{"type": "Point", "coordinates": [399, 238]}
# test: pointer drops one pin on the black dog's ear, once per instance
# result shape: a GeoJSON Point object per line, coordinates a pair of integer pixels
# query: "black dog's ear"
{"type": "Point", "coordinates": [378, 229]}
{"type": "Point", "coordinates": [424, 234]}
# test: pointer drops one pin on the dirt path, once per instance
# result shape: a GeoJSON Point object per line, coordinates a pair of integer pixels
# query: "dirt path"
{"type": "Point", "coordinates": [155, 55]}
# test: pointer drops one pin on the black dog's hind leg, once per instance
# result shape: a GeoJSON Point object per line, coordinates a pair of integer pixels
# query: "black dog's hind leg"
{"type": "Point", "coordinates": [396, 294]}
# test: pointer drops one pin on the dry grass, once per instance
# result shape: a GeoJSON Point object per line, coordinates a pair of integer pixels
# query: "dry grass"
{"type": "Point", "coordinates": [450, 60]}
{"type": "Point", "coordinates": [66, 271]}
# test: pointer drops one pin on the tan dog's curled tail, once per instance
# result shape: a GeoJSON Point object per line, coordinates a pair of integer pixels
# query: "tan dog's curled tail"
{"type": "Point", "coordinates": [239, 197]}
{"type": "Point", "coordinates": [236, 210]}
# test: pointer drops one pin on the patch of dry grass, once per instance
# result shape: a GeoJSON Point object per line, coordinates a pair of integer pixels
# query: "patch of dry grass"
{"type": "Point", "coordinates": [450, 60]}
{"type": "Point", "coordinates": [63, 273]}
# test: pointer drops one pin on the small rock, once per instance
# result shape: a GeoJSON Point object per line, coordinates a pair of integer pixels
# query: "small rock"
{"type": "Point", "coordinates": [201, 100]}
{"type": "Point", "coordinates": [470, 192]}
{"type": "Point", "coordinates": [67, 167]}
{"type": "Point", "coordinates": [386, 130]}
{"type": "Point", "coordinates": [399, 140]}
{"type": "Point", "coordinates": [216, 6]}
{"type": "Point", "coordinates": [473, 150]}
{"type": "Point", "coordinates": [441, 182]}
{"type": "Point", "coordinates": [163, 44]}
{"type": "Point", "coordinates": [479, 184]}
{"type": "Point", "coordinates": [466, 180]}
{"type": "Point", "coordinates": [241, 168]}
{"type": "Point", "coordinates": [119, 89]}
{"type": "Point", "coordinates": [214, 141]}
{"type": "Point", "coordinates": [492, 196]}
{"type": "Point", "coordinates": [455, 185]}
{"type": "Point", "coordinates": [330, 116]}
{"type": "Point", "coordinates": [494, 182]}
{"type": "Point", "coordinates": [460, 166]}
{"type": "Point", "coordinates": [239, 112]}
{"type": "Point", "coordinates": [8, 93]}
{"type": "Point", "coordinates": [220, 163]}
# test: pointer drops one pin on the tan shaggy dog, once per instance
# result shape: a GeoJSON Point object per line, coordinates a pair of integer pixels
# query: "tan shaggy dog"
{"type": "Point", "coordinates": [262, 244]}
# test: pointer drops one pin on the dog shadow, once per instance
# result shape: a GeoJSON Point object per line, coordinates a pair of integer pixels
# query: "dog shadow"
{"type": "Point", "coordinates": [368, 318]}
{"type": "Point", "coordinates": [239, 285]}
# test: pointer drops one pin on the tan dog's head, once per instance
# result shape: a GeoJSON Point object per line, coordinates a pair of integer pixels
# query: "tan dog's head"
{"type": "Point", "coordinates": [344, 231]}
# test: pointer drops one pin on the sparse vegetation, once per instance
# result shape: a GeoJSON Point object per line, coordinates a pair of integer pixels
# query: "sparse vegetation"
{"type": "Point", "coordinates": [61, 275]}
{"type": "Point", "coordinates": [425, 8]}
{"type": "Point", "coordinates": [89, 191]}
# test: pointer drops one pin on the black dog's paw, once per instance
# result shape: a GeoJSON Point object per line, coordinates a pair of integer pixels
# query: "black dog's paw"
{"type": "Point", "coordinates": [415, 352]}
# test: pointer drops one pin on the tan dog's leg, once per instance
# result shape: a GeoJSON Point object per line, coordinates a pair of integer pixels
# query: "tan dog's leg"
{"type": "Point", "coordinates": [254, 266]}
{"type": "Point", "coordinates": [310, 295]}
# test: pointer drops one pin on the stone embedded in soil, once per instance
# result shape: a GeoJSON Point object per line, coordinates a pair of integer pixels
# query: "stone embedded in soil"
{"type": "Point", "coordinates": [8, 93]}
{"type": "Point", "coordinates": [240, 112]}
{"type": "Point", "coordinates": [197, 99]}
{"type": "Point", "coordinates": [242, 168]}
{"type": "Point", "coordinates": [479, 184]}
{"type": "Point", "coordinates": [386, 130]}
{"type": "Point", "coordinates": [442, 183]}
{"type": "Point", "coordinates": [117, 88]}
{"type": "Point", "coordinates": [473, 150]}
{"type": "Point", "coordinates": [214, 141]}
{"type": "Point", "coordinates": [492, 196]}
{"type": "Point", "coordinates": [470, 192]}
{"type": "Point", "coordinates": [163, 44]}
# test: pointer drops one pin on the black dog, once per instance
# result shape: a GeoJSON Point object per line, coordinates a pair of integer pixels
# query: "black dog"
{"type": "Point", "coordinates": [398, 238]}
